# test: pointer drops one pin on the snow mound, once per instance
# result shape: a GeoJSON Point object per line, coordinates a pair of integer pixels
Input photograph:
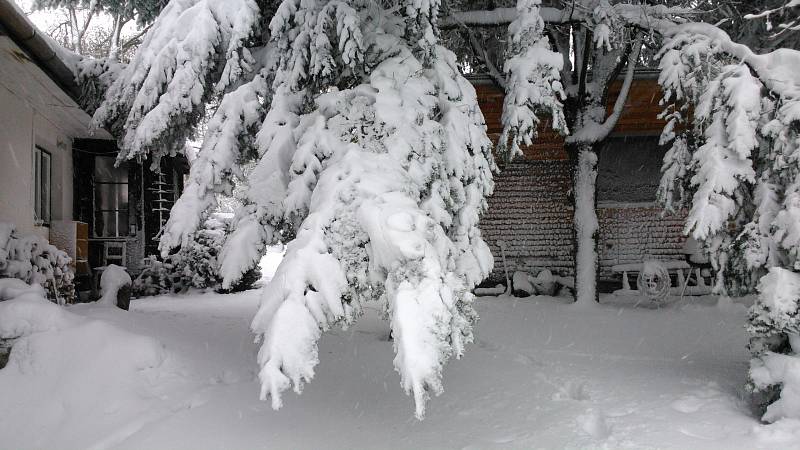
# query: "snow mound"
{"type": "Point", "coordinates": [69, 373]}
{"type": "Point", "coordinates": [13, 287]}
{"type": "Point", "coordinates": [113, 278]}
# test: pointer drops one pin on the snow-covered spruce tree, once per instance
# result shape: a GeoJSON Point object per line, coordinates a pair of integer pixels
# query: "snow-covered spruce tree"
{"type": "Point", "coordinates": [592, 41]}
{"type": "Point", "coordinates": [735, 162]}
{"type": "Point", "coordinates": [371, 156]}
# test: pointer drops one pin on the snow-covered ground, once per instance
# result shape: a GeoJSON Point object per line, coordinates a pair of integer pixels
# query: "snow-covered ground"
{"type": "Point", "coordinates": [543, 374]}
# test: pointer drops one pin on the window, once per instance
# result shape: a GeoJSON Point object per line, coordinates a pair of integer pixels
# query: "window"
{"type": "Point", "coordinates": [41, 186]}
{"type": "Point", "coordinates": [110, 198]}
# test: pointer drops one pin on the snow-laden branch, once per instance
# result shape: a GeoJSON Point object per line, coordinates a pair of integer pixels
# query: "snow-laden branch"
{"type": "Point", "coordinates": [650, 17]}
{"type": "Point", "coordinates": [193, 49]}
{"type": "Point", "coordinates": [502, 16]}
{"type": "Point", "coordinates": [595, 132]}
{"type": "Point", "coordinates": [533, 84]}
{"type": "Point", "coordinates": [217, 162]}
{"type": "Point", "coordinates": [736, 156]}
{"type": "Point", "coordinates": [381, 184]}
{"type": "Point", "coordinates": [778, 70]}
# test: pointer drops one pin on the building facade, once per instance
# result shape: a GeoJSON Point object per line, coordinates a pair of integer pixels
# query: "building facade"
{"type": "Point", "coordinates": [58, 177]}
{"type": "Point", "coordinates": [531, 210]}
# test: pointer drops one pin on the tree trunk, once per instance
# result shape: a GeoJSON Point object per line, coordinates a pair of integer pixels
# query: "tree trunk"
{"type": "Point", "coordinates": [114, 48]}
{"type": "Point", "coordinates": [585, 225]}
{"type": "Point", "coordinates": [75, 38]}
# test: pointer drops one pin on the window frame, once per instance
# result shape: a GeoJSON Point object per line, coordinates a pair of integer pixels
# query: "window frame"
{"type": "Point", "coordinates": [42, 216]}
{"type": "Point", "coordinates": [120, 229]}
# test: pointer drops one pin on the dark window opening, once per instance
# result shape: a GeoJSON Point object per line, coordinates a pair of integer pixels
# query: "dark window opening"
{"type": "Point", "coordinates": [42, 172]}
{"type": "Point", "coordinates": [110, 198]}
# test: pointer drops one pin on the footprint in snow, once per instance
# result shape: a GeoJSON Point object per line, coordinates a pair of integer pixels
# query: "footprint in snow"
{"type": "Point", "coordinates": [594, 424]}
{"type": "Point", "coordinates": [526, 360]}
{"type": "Point", "coordinates": [697, 399]}
{"type": "Point", "coordinates": [688, 404]}
{"type": "Point", "coordinates": [572, 390]}
{"type": "Point", "coordinates": [486, 345]}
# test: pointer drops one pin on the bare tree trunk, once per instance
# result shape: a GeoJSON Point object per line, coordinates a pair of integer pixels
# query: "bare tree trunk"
{"type": "Point", "coordinates": [114, 48]}
{"type": "Point", "coordinates": [585, 224]}
{"type": "Point", "coordinates": [74, 34]}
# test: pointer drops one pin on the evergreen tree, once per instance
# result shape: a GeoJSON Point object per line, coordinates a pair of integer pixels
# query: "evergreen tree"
{"type": "Point", "coordinates": [736, 164]}
{"type": "Point", "coordinates": [370, 154]}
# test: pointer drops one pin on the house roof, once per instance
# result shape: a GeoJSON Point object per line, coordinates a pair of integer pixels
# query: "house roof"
{"type": "Point", "coordinates": [38, 45]}
{"type": "Point", "coordinates": [34, 68]}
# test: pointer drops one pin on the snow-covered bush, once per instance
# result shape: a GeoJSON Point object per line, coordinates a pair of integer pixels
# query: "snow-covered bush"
{"type": "Point", "coordinates": [157, 278]}
{"type": "Point", "coordinates": [33, 260]}
{"type": "Point", "coordinates": [196, 265]}
{"type": "Point", "coordinates": [84, 365]}
{"type": "Point", "coordinates": [775, 342]}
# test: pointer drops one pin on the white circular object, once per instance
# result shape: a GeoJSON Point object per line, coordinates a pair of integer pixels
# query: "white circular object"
{"type": "Point", "coordinates": [653, 280]}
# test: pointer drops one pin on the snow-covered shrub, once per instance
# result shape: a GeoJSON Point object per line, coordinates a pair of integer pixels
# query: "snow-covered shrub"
{"type": "Point", "coordinates": [196, 265]}
{"type": "Point", "coordinates": [157, 278]}
{"type": "Point", "coordinates": [33, 260]}
{"type": "Point", "coordinates": [775, 342]}
{"type": "Point", "coordinates": [197, 261]}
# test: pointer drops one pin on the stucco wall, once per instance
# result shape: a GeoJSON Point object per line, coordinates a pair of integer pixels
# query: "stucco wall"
{"type": "Point", "coordinates": [34, 111]}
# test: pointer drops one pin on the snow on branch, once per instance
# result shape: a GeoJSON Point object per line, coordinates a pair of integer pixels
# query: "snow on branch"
{"type": "Point", "coordinates": [592, 132]}
{"type": "Point", "coordinates": [648, 17]}
{"type": "Point", "coordinates": [737, 154]}
{"type": "Point", "coordinates": [501, 16]}
{"type": "Point", "coordinates": [159, 96]}
{"type": "Point", "coordinates": [380, 173]}
{"type": "Point", "coordinates": [533, 81]}
{"type": "Point", "coordinates": [218, 160]}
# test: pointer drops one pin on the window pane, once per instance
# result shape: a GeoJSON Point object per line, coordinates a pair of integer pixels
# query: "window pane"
{"type": "Point", "coordinates": [106, 196]}
{"type": "Point", "coordinates": [122, 223]}
{"type": "Point", "coordinates": [104, 170]}
{"type": "Point", "coordinates": [122, 196]}
{"type": "Point", "coordinates": [37, 182]}
{"type": "Point", "coordinates": [111, 223]}
{"type": "Point", "coordinates": [45, 187]}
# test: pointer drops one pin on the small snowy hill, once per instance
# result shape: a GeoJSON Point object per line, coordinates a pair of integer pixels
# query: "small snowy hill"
{"type": "Point", "coordinates": [179, 372]}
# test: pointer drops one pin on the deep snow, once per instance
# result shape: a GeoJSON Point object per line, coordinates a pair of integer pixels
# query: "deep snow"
{"type": "Point", "coordinates": [543, 374]}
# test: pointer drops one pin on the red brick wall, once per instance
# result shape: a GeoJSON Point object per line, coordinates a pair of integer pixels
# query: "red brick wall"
{"type": "Point", "coordinates": [630, 234]}
{"type": "Point", "coordinates": [531, 212]}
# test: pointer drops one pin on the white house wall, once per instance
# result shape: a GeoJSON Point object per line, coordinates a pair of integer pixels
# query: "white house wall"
{"type": "Point", "coordinates": [34, 111]}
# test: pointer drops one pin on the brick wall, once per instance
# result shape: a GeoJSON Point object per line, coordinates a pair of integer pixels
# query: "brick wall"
{"type": "Point", "coordinates": [630, 234]}
{"type": "Point", "coordinates": [531, 213]}
{"type": "Point", "coordinates": [530, 209]}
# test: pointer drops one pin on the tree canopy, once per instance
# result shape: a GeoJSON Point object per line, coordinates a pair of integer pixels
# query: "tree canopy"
{"type": "Point", "coordinates": [360, 142]}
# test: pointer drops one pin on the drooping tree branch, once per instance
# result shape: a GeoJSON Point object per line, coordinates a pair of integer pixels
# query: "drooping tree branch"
{"type": "Point", "coordinates": [650, 17]}
{"type": "Point", "coordinates": [594, 132]}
